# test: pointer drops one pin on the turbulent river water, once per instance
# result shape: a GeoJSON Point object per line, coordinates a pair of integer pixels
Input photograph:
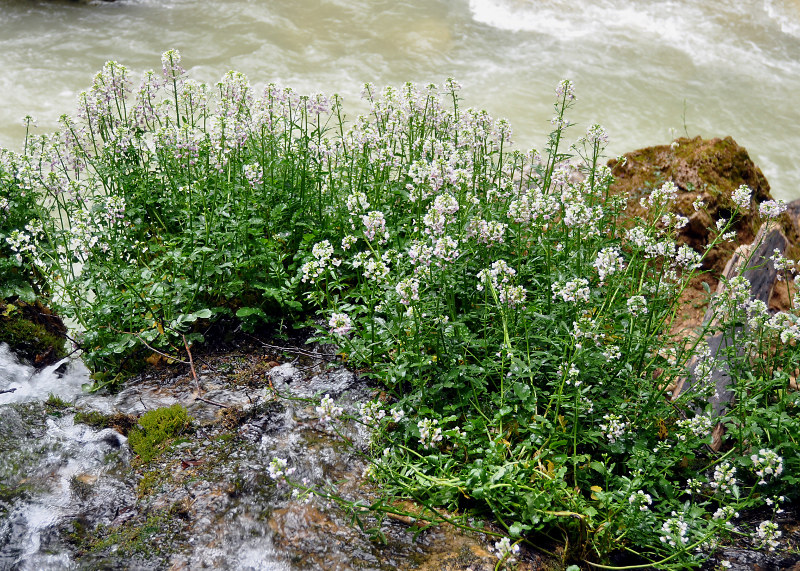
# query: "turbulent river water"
{"type": "Point", "coordinates": [648, 71]}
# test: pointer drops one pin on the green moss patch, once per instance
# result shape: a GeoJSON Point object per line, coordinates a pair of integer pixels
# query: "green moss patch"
{"type": "Point", "coordinates": [157, 429]}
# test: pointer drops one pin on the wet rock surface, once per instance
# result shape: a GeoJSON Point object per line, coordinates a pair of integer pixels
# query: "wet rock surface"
{"type": "Point", "coordinates": [75, 496]}
{"type": "Point", "coordinates": [34, 332]}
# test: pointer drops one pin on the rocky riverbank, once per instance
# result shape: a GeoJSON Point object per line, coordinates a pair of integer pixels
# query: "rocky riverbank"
{"type": "Point", "coordinates": [173, 471]}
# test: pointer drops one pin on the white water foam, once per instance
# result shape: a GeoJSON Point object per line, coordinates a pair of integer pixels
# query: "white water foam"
{"type": "Point", "coordinates": [708, 34]}
{"type": "Point", "coordinates": [64, 379]}
{"type": "Point", "coordinates": [786, 13]}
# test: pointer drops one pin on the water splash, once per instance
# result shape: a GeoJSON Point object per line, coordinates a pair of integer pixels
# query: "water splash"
{"type": "Point", "coordinates": [64, 379]}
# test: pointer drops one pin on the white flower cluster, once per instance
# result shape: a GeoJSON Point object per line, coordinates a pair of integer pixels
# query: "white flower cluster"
{"type": "Point", "coordinates": [596, 134]}
{"type": "Point", "coordinates": [767, 463]}
{"type": "Point", "coordinates": [486, 232]}
{"type": "Point", "coordinates": [570, 375]}
{"type": "Point", "coordinates": [771, 208]}
{"type": "Point", "coordinates": [641, 499]}
{"type": "Point", "coordinates": [675, 530]}
{"type": "Point", "coordinates": [327, 410]}
{"type": "Point", "coordinates": [724, 478]}
{"type": "Point", "coordinates": [20, 243]}
{"type": "Point", "coordinates": [446, 249]}
{"type": "Point", "coordinates": [573, 290]}
{"type": "Point", "coordinates": [348, 242]}
{"type": "Point", "coordinates": [768, 533]}
{"type": "Point", "coordinates": [439, 213]}
{"type": "Point", "coordinates": [323, 255]}
{"type": "Point", "coordinates": [277, 470]}
{"type": "Point", "coordinates": [532, 206]}
{"type": "Point", "coordinates": [637, 305]}
{"type": "Point", "coordinates": [371, 413]}
{"type": "Point", "coordinates": [687, 258]}
{"type": "Point", "coordinates": [672, 221]}
{"type": "Point", "coordinates": [612, 353]}
{"type": "Point", "coordinates": [375, 226]}
{"type": "Point", "coordinates": [500, 276]}
{"type": "Point", "coordinates": [505, 551]}
{"type": "Point", "coordinates": [781, 264]}
{"type": "Point", "coordinates": [699, 426]}
{"type": "Point", "coordinates": [609, 260]}
{"type": "Point", "coordinates": [662, 196]}
{"type": "Point", "coordinates": [614, 427]}
{"type": "Point", "coordinates": [357, 203]}
{"type": "Point", "coordinates": [429, 432]}
{"type": "Point", "coordinates": [254, 174]}
{"type": "Point", "coordinates": [586, 328]}
{"type": "Point", "coordinates": [420, 254]}
{"type": "Point", "coordinates": [741, 197]}
{"type": "Point", "coordinates": [408, 290]}
{"type": "Point", "coordinates": [114, 207]}
{"type": "Point", "coordinates": [725, 513]}
{"type": "Point", "coordinates": [733, 298]}
{"type": "Point", "coordinates": [340, 323]}
{"type": "Point", "coordinates": [398, 414]}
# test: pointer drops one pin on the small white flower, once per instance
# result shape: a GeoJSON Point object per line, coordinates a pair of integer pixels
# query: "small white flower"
{"type": "Point", "coordinates": [724, 478]}
{"type": "Point", "coordinates": [741, 197]}
{"type": "Point", "coordinates": [637, 305]}
{"type": "Point", "coordinates": [505, 551]}
{"type": "Point", "coordinates": [767, 464]}
{"type": "Point", "coordinates": [641, 499]}
{"type": "Point", "coordinates": [277, 470]}
{"type": "Point", "coordinates": [771, 208]}
{"type": "Point", "coordinates": [340, 323]}
{"type": "Point", "coordinates": [768, 533]}
{"type": "Point", "coordinates": [614, 428]}
{"type": "Point", "coordinates": [429, 432]}
{"type": "Point", "coordinates": [327, 410]}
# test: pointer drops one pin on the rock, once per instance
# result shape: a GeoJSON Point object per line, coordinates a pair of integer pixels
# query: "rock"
{"type": "Point", "coordinates": [34, 333]}
{"type": "Point", "coordinates": [760, 272]}
{"type": "Point", "coordinates": [708, 169]}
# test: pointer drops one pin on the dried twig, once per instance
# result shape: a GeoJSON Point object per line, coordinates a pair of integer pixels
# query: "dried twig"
{"type": "Point", "coordinates": [295, 350]}
{"type": "Point", "coordinates": [212, 402]}
{"type": "Point", "coordinates": [7, 391]}
{"type": "Point", "coordinates": [191, 363]}
{"type": "Point", "coordinates": [196, 379]}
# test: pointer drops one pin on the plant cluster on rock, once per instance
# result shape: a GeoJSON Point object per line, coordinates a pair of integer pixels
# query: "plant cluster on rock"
{"type": "Point", "coordinates": [517, 309]}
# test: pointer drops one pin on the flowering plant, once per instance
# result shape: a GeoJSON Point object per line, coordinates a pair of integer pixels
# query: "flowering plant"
{"type": "Point", "coordinates": [522, 328]}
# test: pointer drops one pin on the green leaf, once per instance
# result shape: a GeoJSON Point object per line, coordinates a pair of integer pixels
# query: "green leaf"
{"type": "Point", "coordinates": [598, 467]}
{"type": "Point", "coordinates": [522, 391]}
{"type": "Point", "coordinates": [243, 312]}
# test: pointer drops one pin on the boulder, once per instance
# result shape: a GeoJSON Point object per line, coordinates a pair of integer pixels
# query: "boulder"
{"type": "Point", "coordinates": [708, 169]}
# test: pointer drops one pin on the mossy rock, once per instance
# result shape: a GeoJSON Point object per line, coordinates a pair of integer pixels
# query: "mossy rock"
{"type": "Point", "coordinates": [157, 429]}
{"type": "Point", "coordinates": [709, 169]}
{"type": "Point", "coordinates": [32, 331]}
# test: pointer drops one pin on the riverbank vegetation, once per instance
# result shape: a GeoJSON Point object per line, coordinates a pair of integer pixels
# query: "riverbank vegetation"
{"type": "Point", "coordinates": [521, 327]}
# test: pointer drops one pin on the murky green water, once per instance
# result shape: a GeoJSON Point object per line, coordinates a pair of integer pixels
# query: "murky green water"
{"type": "Point", "coordinates": [646, 70]}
